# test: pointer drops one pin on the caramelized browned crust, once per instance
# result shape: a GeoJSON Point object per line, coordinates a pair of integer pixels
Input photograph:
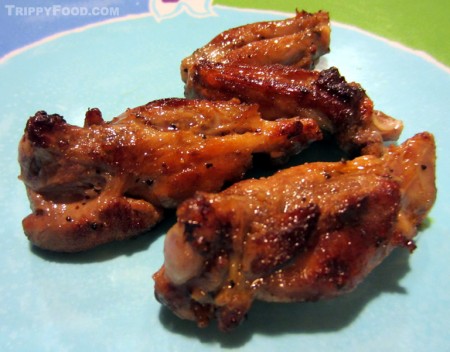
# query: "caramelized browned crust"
{"type": "Point", "coordinates": [341, 108]}
{"type": "Point", "coordinates": [110, 180]}
{"type": "Point", "coordinates": [297, 41]}
{"type": "Point", "coordinates": [308, 232]}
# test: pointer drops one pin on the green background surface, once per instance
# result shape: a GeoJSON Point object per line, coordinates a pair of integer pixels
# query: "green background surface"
{"type": "Point", "coordinates": [421, 25]}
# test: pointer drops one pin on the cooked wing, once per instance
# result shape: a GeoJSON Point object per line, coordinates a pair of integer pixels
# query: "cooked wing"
{"type": "Point", "coordinates": [308, 232]}
{"type": "Point", "coordinates": [297, 41]}
{"type": "Point", "coordinates": [341, 108]}
{"type": "Point", "coordinates": [110, 180]}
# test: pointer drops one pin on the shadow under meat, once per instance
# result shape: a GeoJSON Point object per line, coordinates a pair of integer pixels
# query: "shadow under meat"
{"type": "Point", "coordinates": [110, 250]}
{"type": "Point", "coordinates": [304, 317]}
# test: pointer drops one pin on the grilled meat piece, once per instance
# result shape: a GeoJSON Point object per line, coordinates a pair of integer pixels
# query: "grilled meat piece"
{"type": "Point", "coordinates": [111, 180]}
{"type": "Point", "coordinates": [309, 232]}
{"type": "Point", "coordinates": [297, 41]}
{"type": "Point", "coordinates": [342, 109]}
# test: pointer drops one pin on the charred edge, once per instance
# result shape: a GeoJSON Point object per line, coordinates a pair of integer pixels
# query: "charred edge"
{"type": "Point", "coordinates": [206, 230]}
{"type": "Point", "coordinates": [93, 117]}
{"type": "Point", "coordinates": [189, 229]}
{"type": "Point", "coordinates": [288, 244]}
{"type": "Point", "coordinates": [331, 81]}
{"type": "Point", "coordinates": [39, 125]}
{"type": "Point", "coordinates": [229, 319]}
{"type": "Point", "coordinates": [292, 130]}
{"type": "Point", "coordinates": [199, 215]}
{"type": "Point", "coordinates": [169, 103]}
{"type": "Point", "coordinates": [351, 213]}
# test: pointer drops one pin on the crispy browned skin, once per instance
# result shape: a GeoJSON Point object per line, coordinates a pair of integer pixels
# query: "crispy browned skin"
{"type": "Point", "coordinates": [110, 180]}
{"type": "Point", "coordinates": [308, 232]}
{"type": "Point", "coordinates": [341, 108]}
{"type": "Point", "coordinates": [297, 41]}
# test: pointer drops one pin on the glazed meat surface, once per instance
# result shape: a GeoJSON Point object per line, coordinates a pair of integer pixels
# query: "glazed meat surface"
{"type": "Point", "coordinates": [111, 180]}
{"type": "Point", "coordinates": [341, 109]}
{"type": "Point", "coordinates": [308, 232]}
{"type": "Point", "coordinates": [297, 41]}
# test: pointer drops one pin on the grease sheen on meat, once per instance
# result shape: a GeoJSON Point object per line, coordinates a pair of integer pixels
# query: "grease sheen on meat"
{"type": "Point", "coordinates": [341, 108]}
{"type": "Point", "coordinates": [298, 41]}
{"type": "Point", "coordinates": [111, 180]}
{"type": "Point", "coordinates": [308, 232]}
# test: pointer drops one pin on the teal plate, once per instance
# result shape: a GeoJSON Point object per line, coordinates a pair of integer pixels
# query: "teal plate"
{"type": "Point", "coordinates": [103, 299]}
